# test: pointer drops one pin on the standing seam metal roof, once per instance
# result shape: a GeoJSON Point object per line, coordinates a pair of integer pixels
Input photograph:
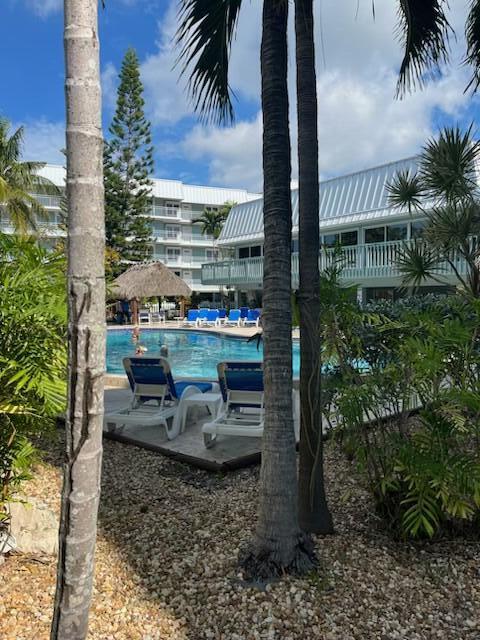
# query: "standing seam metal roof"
{"type": "Point", "coordinates": [347, 199]}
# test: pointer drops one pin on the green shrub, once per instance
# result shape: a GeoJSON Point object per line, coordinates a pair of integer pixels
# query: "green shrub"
{"type": "Point", "coordinates": [424, 473]}
{"type": "Point", "coordinates": [32, 354]}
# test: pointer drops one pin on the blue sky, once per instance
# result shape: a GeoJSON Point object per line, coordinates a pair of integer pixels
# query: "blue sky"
{"type": "Point", "coordinates": [360, 122]}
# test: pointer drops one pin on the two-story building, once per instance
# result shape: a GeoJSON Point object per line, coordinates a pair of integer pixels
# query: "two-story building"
{"type": "Point", "coordinates": [354, 213]}
{"type": "Point", "coordinates": [176, 241]}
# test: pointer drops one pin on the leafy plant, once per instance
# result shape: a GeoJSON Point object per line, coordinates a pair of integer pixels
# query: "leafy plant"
{"type": "Point", "coordinates": [32, 353]}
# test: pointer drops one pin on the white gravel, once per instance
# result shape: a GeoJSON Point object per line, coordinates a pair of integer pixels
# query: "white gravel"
{"type": "Point", "coordinates": [166, 565]}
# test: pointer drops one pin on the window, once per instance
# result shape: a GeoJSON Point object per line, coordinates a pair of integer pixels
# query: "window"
{"type": "Point", "coordinates": [397, 232]}
{"type": "Point", "coordinates": [417, 229]}
{"type": "Point", "coordinates": [244, 252]}
{"type": "Point", "coordinates": [209, 208]}
{"type": "Point", "coordinates": [211, 254]}
{"type": "Point", "coordinates": [172, 209]}
{"type": "Point", "coordinates": [375, 234]}
{"type": "Point", "coordinates": [255, 251]}
{"type": "Point", "coordinates": [349, 238]}
{"type": "Point", "coordinates": [331, 239]}
{"type": "Point", "coordinates": [187, 275]}
{"type": "Point", "coordinates": [173, 255]}
{"type": "Point", "coordinates": [172, 231]}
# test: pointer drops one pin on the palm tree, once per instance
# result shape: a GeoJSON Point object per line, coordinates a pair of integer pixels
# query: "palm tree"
{"type": "Point", "coordinates": [314, 515]}
{"type": "Point", "coordinates": [18, 181]}
{"type": "Point", "coordinates": [446, 177]}
{"type": "Point", "coordinates": [426, 32]}
{"type": "Point", "coordinates": [86, 322]}
{"type": "Point", "coordinates": [206, 31]}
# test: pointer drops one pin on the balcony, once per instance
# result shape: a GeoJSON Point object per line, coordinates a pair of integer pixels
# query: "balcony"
{"type": "Point", "coordinates": [172, 213]}
{"type": "Point", "coordinates": [360, 263]}
{"type": "Point", "coordinates": [180, 237]}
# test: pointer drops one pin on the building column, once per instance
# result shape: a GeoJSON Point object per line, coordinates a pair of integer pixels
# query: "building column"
{"type": "Point", "coordinates": [236, 297]}
{"type": "Point", "coordinates": [360, 296]}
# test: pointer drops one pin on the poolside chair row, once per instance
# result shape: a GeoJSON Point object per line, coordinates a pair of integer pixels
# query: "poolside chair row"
{"type": "Point", "coordinates": [146, 316]}
{"type": "Point", "coordinates": [219, 318]}
{"type": "Point", "coordinates": [241, 411]}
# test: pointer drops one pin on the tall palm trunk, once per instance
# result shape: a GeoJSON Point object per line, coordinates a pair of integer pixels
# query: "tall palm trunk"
{"type": "Point", "coordinates": [278, 545]}
{"type": "Point", "coordinates": [314, 515]}
{"type": "Point", "coordinates": [86, 293]}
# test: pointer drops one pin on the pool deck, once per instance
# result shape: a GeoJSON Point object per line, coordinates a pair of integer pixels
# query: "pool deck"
{"type": "Point", "coordinates": [227, 454]}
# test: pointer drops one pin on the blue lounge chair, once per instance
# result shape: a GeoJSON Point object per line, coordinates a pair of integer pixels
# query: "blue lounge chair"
{"type": "Point", "coordinates": [202, 317]}
{"type": "Point", "coordinates": [222, 316]}
{"type": "Point", "coordinates": [156, 396]}
{"type": "Point", "coordinates": [191, 319]}
{"type": "Point", "coordinates": [212, 317]}
{"type": "Point", "coordinates": [241, 384]}
{"type": "Point", "coordinates": [234, 318]}
{"type": "Point", "coordinates": [253, 317]}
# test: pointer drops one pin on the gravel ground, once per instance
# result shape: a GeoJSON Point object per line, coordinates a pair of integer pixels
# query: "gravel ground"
{"type": "Point", "coordinates": [166, 565]}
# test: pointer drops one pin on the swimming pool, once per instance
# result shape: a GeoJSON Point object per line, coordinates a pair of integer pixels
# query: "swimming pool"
{"type": "Point", "coordinates": [191, 353]}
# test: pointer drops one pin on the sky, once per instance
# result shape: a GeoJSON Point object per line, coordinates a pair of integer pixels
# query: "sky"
{"type": "Point", "coordinates": [361, 124]}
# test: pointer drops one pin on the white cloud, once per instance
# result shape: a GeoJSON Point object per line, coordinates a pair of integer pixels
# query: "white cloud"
{"type": "Point", "coordinates": [44, 8]}
{"type": "Point", "coordinates": [360, 122]}
{"type": "Point", "coordinates": [44, 141]}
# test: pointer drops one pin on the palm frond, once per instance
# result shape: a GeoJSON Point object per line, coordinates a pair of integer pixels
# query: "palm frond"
{"type": "Point", "coordinates": [424, 31]}
{"type": "Point", "coordinates": [405, 190]}
{"type": "Point", "coordinates": [472, 36]}
{"type": "Point", "coordinates": [205, 35]}
{"type": "Point", "coordinates": [448, 164]}
{"type": "Point", "coordinates": [417, 262]}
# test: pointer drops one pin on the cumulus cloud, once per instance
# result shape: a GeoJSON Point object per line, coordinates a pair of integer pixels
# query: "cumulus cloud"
{"type": "Point", "coordinates": [44, 141]}
{"type": "Point", "coordinates": [360, 122]}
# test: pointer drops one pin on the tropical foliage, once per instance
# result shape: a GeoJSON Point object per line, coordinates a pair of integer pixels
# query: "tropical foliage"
{"type": "Point", "coordinates": [389, 362]}
{"type": "Point", "coordinates": [18, 182]}
{"type": "Point", "coordinates": [128, 165]}
{"type": "Point", "coordinates": [32, 354]}
{"type": "Point", "coordinates": [444, 192]}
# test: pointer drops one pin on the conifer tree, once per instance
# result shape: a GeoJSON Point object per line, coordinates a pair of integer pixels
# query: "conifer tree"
{"type": "Point", "coordinates": [128, 166]}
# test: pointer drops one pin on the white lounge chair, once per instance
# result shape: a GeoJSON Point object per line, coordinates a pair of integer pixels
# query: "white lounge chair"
{"type": "Point", "coordinates": [241, 384]}
{"type": "Point", "coordinates": [144, 316]}
{"type": "Point", "coordinates": [156, 397]}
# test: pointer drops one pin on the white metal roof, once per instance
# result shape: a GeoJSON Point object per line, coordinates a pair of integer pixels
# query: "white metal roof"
{"type": "Point", "coordinates": [346, 200]}
{"type": "Point", "coordinates": [171, 189]}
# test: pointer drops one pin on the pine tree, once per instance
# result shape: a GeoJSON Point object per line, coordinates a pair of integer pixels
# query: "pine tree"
{"type": "Point", "coordinates": [128, 165]}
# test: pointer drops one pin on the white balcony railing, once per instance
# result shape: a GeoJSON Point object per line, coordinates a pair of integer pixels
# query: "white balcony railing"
{"type": "Point", "coordinates": [360, 262]}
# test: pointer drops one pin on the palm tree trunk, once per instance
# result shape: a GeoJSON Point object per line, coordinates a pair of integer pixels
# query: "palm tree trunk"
{"type": "Point", "coordinates": [86, 293]}
{"type": "Point", "coordinates": [314, 515]}
{"type": "Point", "coordinates": [278, 545]}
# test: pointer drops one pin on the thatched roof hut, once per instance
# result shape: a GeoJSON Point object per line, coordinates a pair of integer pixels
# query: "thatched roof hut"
{"type": "Point", "coordinates": [147, 280]}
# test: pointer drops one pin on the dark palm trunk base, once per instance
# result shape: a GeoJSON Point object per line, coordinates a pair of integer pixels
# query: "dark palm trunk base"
{"type": "Point", "coordinates": [279, 546]}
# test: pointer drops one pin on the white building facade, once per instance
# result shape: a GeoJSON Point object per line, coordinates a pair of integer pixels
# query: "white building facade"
{"type": "Point", "coordinates": [175, 240]}
{"type": "Point", "coordinates": [355, 213]}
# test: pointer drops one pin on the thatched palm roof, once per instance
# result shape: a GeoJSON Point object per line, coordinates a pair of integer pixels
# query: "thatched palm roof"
{"type": "Point", "coordinates": [147, 280]}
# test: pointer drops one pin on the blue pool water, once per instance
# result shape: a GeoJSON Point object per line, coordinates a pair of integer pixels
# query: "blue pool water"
{"type": "Point", "coordinates": [191, 353]}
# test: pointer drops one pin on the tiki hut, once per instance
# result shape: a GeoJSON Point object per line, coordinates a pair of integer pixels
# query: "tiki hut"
{"type": "Point", "coordinates": [149, 280]}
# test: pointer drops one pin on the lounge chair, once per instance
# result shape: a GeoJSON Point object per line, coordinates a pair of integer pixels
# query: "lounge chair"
{"type": "Point", "coordinates": [202, 317]}
{"type": "Point", "coordinates": [212, 318]}
{"type": "Point", "coordinates": [191, 319]}
{"type": "Point", "coordinates": [241, 384]}
{"type": "Point", "coordinates": [222, 316]}
{"type": "Point", "coordinates": [253, 317]}
{"type": "Point", "coordinates": [143, 316]}
{"type": "Point", "coordinates": [234, 318]}
{"type": "Point", "coordinates": [156, 396]}
{"type": "Point", "coordinates": [157, 316]}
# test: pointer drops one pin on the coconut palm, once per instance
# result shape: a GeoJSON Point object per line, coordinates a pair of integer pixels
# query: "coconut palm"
{"type": "Point", "coordinates": [86, 322]}
{"type": "Point", "coordinates": [314, 515]}
{"type": "Point", "coordinates": [205, 33]}
{"type": "Point", "coordinates": [18, 181]}
{"type": "Point", "coordinates": [445, 192]}
{"type": "Point", "coordinates": [212, 223]}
